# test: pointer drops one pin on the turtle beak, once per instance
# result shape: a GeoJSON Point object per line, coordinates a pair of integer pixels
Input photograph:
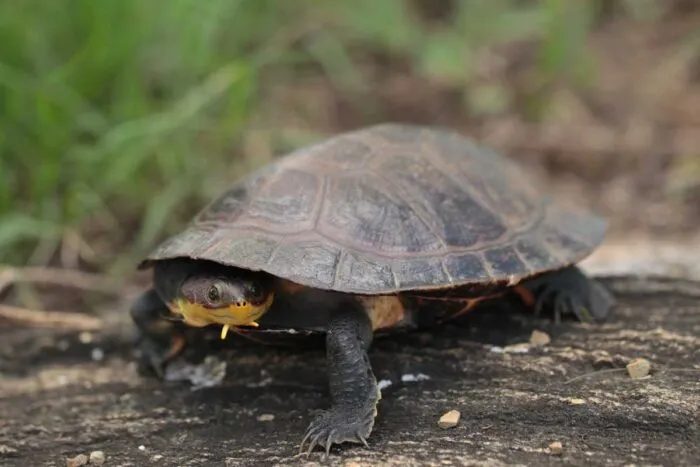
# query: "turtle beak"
{"type": "Point", "coordinates": [241, 313]}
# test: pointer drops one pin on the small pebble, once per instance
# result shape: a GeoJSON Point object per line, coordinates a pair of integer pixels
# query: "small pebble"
{"type": "Point", "coordinates": [6, 450]}
{"type": "Point", "coordinates": [576, 401]}
{"type": "Point", "coordinates": [556, 448]}
{"type": "Point", "coordinates": [142, 448]}
{"type": "Point", "coordinates": [77, 461]}
{"type": "Point", "coordinates": [266, 417]}
{"type": "Point", "coordinates": [156, 457]}
{"type": "Point", "coordinates": [539, 338]}
{"type": "Point", "coordinates": [85, 337]}
{"type": "Point", "coordinates": [383, 384]}
{"type": "Point", "coordinates": [97, 354]}
{"type": "Point", "coordinates": [409, 378]}
{"type": "Point", "coordinates": [449, 419]}
{"type": "Point", "coordinates": [639, 368]}
{"type": "Point", "coordinates": [523, 347]}
{"type": "Point", "coordinates": [97, 457]}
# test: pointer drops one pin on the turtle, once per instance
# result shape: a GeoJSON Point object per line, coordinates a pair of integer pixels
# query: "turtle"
{"type": "Point", "coordinates": [386, 228]}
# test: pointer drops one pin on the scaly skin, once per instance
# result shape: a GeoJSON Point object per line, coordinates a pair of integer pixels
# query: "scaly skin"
{"type": "Point", "coordinates": [353, 386]}
{"type": "Point", "coordinates": [159, 338]}
{"type": "Point", "coordinates": [569, 291]}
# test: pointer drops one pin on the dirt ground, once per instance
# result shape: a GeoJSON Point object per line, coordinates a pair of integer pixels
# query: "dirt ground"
{"type": "Point", "coordinates": [65, 394]}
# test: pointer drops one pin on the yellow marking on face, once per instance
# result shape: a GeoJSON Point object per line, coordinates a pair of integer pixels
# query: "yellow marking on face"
{"type": "Point", "coordinates": [197, 315]}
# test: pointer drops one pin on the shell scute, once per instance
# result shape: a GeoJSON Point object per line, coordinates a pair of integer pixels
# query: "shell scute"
{"type": "Point", "coordinates": [422, 272]}
{"type": "Point", "coordinates": [365, 215]}
{"type": "Point", "coordinates": [357, 273]}
{"type": "Point", "coordinates": [459, 218]}
{"type": "Point", "coordinates": [467, 267]}
{"type": "Point", "coordinates": [505, 260]}
{"type": "Point", "coordinates": [299, 261]}
{"type": "Point", "coordinates": [289, 197]}
{"type": "Point", "coordinates": [535, 254]}
{"type": "Point", "coordinates": [389, 208]}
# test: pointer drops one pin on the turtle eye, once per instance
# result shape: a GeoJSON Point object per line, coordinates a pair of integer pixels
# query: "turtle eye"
{"type": "Point", "coordinates": [256, 292]}
{"type": "Point", "coordinates": [214, 294]}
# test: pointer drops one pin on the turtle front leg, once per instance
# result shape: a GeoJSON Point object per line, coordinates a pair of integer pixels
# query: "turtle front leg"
{"type": "Point", "coordinates": [568, 291]}
{"type": "Point", "coordinates": [159, 339]}
{"type": "Point", "coordinates": [353, 386]}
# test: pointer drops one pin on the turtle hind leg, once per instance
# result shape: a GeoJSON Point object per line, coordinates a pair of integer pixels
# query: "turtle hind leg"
{"type": "Point", "coordinates": [353, 386]}
{"type": "Point", "coordinates": [568, 291]}
{"type": "Point", "coordinates": [158, 339]}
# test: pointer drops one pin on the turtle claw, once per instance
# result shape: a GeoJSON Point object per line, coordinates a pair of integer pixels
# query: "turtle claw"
{"type": "Point", "coordinates": [353, 387]}
{"type": "Point", "coordinates": [158, 339]}
{"type": "Point", "coordinates": [363, 440]}
{"type": "Point", "coordinates": [337, 426]}
{"type": "Point", "coordinates": [562, 304]}
{"type": "Point", "coordinates": [570, 292]}
{"type": "Point", "coordinates": [155, 357]}
{"type": "Point", "coordinates": [151, 359]}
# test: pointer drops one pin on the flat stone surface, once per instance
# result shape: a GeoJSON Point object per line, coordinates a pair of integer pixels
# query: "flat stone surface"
{"type": "Point", "coordinates": [56, 402]}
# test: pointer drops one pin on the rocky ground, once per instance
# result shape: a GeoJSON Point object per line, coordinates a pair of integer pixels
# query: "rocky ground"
{"type": "Point", "coordinates": [66, 393]}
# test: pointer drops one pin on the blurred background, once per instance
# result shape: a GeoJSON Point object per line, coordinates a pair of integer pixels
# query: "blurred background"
{"type": "Point", "coordinates": [119, 119]}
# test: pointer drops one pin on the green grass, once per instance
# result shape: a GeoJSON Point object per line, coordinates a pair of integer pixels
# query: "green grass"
{"type": "Point", "coordinates": [118, 109]}
{"type": "Point", "coordinates": [119, 118]}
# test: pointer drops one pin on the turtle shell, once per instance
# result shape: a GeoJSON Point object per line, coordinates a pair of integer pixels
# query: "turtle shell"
{"type": "Point", "coordinates": [389, 208]}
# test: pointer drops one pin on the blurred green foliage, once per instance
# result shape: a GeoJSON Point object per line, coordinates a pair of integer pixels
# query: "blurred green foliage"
{"type": "Point", "coordinates": [118, 118]}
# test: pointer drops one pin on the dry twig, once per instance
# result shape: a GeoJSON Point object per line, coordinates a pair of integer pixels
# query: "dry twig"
{"type": "Point", "coordinates": [62, 277]}
{"type": "Point", "coordinates": [55, 319]}
{"type": "Point", "coordinates": [69, 278]}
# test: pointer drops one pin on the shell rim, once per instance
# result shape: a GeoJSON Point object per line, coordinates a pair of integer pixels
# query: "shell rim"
{"type": "Point", "coordinates": [512, 280]}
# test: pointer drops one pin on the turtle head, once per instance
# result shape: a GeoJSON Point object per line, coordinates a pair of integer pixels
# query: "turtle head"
{"type": "Point", "coordinates": [230, 297]}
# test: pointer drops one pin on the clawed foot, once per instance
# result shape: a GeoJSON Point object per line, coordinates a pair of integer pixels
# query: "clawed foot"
{"type": "Point", "coordinates": [562, 303]}
{"type": "Point", "coordinates": [158, 339]}
{"type": "Point", "coordinates": [155, 356]}
{"type": "Point", "coordinates": [569, 292]}
{"type": "Point", "coordinates": [352, 385]}
{"type": "Point", "coordinates": [337, 426]}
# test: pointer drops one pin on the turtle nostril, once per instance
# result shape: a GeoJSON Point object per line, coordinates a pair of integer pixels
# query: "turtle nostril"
{"type": "Point", "coordinates": [241, 304]}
